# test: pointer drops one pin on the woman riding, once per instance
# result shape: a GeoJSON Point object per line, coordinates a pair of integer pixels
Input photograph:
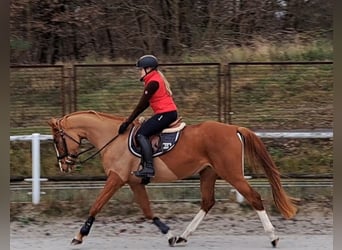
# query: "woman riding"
{"type": "Point", "coordinates": [157, 94]}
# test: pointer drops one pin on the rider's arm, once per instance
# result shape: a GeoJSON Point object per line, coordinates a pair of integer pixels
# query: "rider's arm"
{"type": "Point", "coordinates": [143, 104]}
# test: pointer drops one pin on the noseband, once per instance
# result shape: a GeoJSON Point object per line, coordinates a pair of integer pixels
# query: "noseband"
{"type": "Point", "coordinates": [70, 158]}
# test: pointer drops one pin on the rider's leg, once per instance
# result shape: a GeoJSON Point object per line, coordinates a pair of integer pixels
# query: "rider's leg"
{"type": "Point", "coordinates": [146, 153]}
{"type": "Point", "coordinates": [150, 127]}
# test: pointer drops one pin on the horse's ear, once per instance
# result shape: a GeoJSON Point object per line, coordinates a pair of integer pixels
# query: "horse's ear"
{"type": "Point", "coordinates": [52, 122]}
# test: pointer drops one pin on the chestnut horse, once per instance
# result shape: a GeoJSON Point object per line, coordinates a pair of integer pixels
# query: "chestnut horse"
{"type": "Point", "coordinates": [211, 149]}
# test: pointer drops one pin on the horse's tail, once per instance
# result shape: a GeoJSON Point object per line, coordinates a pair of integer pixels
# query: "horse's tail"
{"type": "Point", "coordinates": [257, 156]}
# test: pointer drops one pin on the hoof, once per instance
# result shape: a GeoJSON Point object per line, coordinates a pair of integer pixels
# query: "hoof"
{"type": "Point", "coordinates": [172, 241]}
{"type": "Point", "coordinates": [275, 242]}
{"type": "Point", "coordinates": [177, 240]}
{"type": "Point", "coordinates": [75, 242]}
{"type": "Point", "coordinates": [181, 240]}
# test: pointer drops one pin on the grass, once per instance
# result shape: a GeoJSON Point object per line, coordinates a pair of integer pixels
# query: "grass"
{"type": "Point", "coordinates": [297, 49]}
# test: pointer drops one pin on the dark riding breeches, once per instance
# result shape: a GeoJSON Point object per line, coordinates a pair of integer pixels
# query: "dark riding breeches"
{"type": "Point", "coordinates": [157, 123]}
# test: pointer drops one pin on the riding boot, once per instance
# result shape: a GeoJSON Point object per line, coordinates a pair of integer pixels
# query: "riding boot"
{"type": "Point", "coordinates": [146, 153]}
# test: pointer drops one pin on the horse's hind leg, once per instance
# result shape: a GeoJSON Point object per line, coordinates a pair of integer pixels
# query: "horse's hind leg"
{"type": "Point", "coordinates": [254, 199]}
{"type": "Point", "coordinates": [113, 183]}
{"type": "Point", "coordinates": [207, 182]}
{"type": "Point", "coordinates": [141, 197]}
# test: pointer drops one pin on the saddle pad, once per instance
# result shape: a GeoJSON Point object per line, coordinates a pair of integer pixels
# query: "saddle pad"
{"type": "Point", "coordinates": [160, 145]}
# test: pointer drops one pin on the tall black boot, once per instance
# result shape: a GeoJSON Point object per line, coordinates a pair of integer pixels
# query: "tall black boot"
{"type": "Point", "coordinates": [146, 153]}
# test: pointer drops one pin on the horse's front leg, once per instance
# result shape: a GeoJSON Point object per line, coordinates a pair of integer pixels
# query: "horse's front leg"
{"type": "Point", "coordinates": [141, 197]}
{"type": "Point", "coordinates": [113, 183]}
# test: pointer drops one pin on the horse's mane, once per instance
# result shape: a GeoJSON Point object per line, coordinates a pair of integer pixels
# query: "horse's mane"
{"type": "Point", "coordinates": [98, 114]}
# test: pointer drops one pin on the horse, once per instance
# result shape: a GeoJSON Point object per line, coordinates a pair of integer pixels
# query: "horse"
{"type": "Point", "coordinates": [209, 149]}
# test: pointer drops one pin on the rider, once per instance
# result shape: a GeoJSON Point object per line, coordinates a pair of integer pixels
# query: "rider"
{"type": "Point", "coordinates": [158, 95]}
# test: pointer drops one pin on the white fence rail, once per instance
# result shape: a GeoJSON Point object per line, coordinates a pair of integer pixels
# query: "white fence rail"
{"type": "Point", "coordinates": [35, 139]}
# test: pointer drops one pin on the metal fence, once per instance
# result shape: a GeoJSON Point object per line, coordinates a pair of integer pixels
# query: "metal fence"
{"type": "Point", "coordinates": [280, 95]}
{"type": "Point", "coordinates": [36, 93]}
{"type": "Point", "coordinates": [116, 89]}
{"type": "Point", "coordinates": [274, 97]}
{"type": "Point", "coordinates": [259, 95]}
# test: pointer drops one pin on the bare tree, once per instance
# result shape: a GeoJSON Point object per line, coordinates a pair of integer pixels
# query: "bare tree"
{"type": "Point", "coordinates": [44, 31]}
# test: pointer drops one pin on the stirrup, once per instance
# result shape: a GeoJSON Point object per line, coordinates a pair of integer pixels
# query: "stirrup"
{"type": "Point", "coordinates": [141, 173]}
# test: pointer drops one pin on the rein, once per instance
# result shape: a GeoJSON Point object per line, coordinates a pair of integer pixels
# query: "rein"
{"type": "Point", "coordinates": [98, 151]}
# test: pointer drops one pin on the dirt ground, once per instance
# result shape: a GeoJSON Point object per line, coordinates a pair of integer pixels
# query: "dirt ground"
{"type": "Point", "coordinates": [227, 226]}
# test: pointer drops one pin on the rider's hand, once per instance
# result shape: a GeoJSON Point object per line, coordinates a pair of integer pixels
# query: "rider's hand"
{"type": "Point", "coordinates": [123, 127]}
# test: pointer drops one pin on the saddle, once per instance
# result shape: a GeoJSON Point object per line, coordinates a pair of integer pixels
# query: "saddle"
{"type": "Point", "coordinates": [162, 142]}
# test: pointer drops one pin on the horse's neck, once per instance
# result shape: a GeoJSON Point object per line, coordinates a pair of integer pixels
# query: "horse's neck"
{"type": "Point", "coordinates": [96, 129]}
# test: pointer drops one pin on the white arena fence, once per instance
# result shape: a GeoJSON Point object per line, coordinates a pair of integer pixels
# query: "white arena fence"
{"type": "Point", "coordinates": [35, 139]}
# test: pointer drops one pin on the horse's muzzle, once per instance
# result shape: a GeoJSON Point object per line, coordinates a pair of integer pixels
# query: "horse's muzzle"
{"type": "Point", "coordinates": [67, 164]}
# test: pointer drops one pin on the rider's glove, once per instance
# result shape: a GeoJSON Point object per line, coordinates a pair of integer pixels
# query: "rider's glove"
{"type": "Point", "coordinates": [123, 127]}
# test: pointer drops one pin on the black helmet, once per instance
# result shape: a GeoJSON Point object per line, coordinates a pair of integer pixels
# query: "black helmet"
{"type": "Point", "coordinates": [147, 61]}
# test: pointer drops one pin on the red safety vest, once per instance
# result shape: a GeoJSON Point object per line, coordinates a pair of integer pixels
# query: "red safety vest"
{"type": "Point", "coordinates": [160, 101]}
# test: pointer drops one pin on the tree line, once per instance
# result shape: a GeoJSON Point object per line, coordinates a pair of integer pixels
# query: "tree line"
{"type": "Point", "coordinates": [52, 31]}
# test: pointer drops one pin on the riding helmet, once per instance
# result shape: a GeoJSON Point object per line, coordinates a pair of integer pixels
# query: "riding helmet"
{"type": "Point", "coordinates": [147, 61]}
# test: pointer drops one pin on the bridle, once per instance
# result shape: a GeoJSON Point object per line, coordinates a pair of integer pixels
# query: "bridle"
{"type": "Point", "coordinates": [71, 158]}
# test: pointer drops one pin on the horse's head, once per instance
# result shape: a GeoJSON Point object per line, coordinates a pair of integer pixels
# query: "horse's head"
{"type": "Point", "coordinates": [66, 143]}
